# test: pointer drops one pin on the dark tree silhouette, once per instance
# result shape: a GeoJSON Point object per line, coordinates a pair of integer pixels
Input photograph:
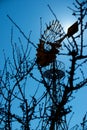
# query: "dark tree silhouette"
{"type": "Point", "coordinates": [46, 102]}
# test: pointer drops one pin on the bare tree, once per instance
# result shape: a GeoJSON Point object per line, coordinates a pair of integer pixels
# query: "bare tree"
{"type": "Point", "coordinates": [13, 81]}
{"type": "Point", "coordinates": [60, 84]}
{"type": "Point", "coordinates": [46, 105]}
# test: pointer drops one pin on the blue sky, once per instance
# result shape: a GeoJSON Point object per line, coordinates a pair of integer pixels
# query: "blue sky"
{"type": "Point", "coordinates": [27, 16]}
{"type": "Point", "coordinates": [27, 13]}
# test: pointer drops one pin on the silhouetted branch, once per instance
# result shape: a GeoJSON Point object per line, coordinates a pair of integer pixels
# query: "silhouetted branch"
{"type": "Point", "coordinates": [21, 31]}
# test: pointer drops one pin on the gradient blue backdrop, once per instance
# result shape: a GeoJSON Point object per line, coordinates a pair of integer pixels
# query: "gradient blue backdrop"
{"type": "Point", "coordinates": [27, 13]}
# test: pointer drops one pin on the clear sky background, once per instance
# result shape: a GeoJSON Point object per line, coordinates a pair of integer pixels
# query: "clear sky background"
{"type": "Point", "coordinates": [27, 13]}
